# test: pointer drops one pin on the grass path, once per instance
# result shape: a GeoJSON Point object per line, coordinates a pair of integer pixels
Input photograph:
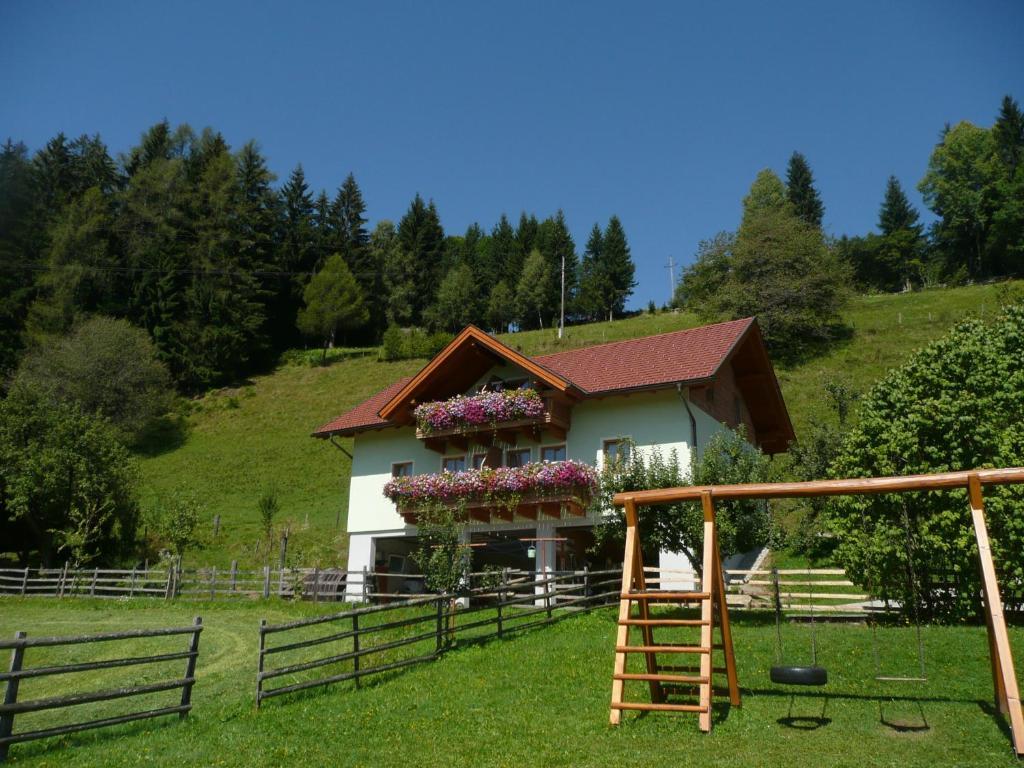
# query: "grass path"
{"type": "Point", "coordinates": [539, 699]}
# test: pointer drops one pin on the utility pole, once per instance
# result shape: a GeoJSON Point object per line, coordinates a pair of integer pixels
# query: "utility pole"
{"type": "Point", "coordinates": [671, 267]}
{"type": "Point", "coordinates": [561, 322]}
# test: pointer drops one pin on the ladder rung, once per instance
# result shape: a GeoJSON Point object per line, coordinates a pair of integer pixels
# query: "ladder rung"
{"type": "Point", "coordinates": [661, 649]}
{"type": "Point", "coordinates": [665, 595]}
{"type": "Point", "coordinates": [664, 622]}
{"type": "Point", "coordinates": [658, 707]}
{"type": "Point", "coordinates": [661, 678]}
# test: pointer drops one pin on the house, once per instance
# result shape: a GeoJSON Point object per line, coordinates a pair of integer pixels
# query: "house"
{"type": "Point", "coordinates": [671, 391]}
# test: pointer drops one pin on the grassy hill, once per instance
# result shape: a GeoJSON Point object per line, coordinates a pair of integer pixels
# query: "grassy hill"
{"type": "Point", "coordinates": [239, 442]}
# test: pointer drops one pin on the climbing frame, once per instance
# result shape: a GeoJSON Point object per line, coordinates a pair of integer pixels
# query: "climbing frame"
{"type": "Point", "coordinates": [638, 590]}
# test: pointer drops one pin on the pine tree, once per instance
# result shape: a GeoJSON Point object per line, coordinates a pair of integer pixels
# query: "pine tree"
{"type": "Point", "coordinates": [333, 304]}
{"type": "Point", "coordinates": [1008, 133]}
{"type": "Point", "coordinates": [504, 253]}
{"type": "Point", "coordinates": [526, 240]}
{"type": "Point", "coordinates": [17, 230]}
{"type": "Point", "coordinates": [592, 281]}
{"type": "Point", "coordinates": [296, 255]}
{"type": "Point", "coordinates": [896, 212]}
{"type": "Point", "coordinates": [348, 211]}
{"type": "Point", "coordinates": [399, 274]}
{"type": "Point", "coordinates": [801, 192]}
{"type": "Point", "coordinates": [421, 239]}
{"type": "Point", "coordinates": [555, 242]}
{"type": "Point", "coordinates": [618, 268]}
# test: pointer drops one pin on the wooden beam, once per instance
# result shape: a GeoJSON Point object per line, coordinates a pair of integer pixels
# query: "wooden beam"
{"type": "Point", "coordinates": [622, 632]}
{"type": "Point", "coordinates": [707, 614]}
{"type": "Point", "coordinates": [1006, 691]}
{"type": "Point", "coordinates": [855, 486]}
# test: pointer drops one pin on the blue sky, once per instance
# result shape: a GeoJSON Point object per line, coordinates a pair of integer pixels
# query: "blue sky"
{"type": "Point", "coordinates": [662, 113]}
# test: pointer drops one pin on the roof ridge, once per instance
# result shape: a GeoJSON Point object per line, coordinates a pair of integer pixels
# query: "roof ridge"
{"type": "Point", "coordinates": [747, 320]}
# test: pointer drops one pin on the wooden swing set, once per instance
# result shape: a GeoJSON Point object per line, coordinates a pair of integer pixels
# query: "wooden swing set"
{"type": "Point", "coordinates": [640, 590]}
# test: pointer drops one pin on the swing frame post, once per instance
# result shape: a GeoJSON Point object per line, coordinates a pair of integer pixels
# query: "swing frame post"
{"type": "Point", "coordinates": [1007, 694]}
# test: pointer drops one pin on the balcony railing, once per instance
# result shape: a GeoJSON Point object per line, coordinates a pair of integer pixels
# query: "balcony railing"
{"type": "Point", "coordinates": [542, 489]}
{"type": "Point", "coordinates": [551, 415]}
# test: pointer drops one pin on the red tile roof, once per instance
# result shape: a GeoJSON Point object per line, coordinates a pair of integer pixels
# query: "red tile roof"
{"type": "Point", "coordinates": [364, 415]}
{"type": "Point", "coordinates": [650, 361]}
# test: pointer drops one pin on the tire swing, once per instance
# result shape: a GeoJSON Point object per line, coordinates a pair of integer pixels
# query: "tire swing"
{"type": "Point", "coordinates": [785, 674]}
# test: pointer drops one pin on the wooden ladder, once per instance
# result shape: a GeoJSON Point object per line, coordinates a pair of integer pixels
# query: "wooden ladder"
{"type": "Point", "coordinates": [713, 607]}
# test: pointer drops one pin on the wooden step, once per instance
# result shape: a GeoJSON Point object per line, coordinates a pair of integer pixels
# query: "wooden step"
{"type": "Point", "coordinates": [661, 649]}
{"type": "Point", "coordinates": [664, 622]}
{"type": "Point", "coordinates": [661, 678]}
{"type": "Point", "coordinates": [665, 595]}
{"type": "Point", "coordinates": [647, 707]}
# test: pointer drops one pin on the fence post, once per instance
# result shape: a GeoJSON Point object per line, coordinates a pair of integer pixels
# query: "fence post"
{"type": "Point", "coordinates": [547, 593]}
{"type": "Point", "coordinates": [24, 582]}
{"type": "Point", "coordinates": [170, 577]}
{"type": "Point", "coordinates": [440, 625]}
{"type": "Point", "coordinates": [11, 695]}
{"type": "Point", "coordinates": [263, 646]}
{"type": "Point", "coordinates": [266, 581]}
{"type": "Point", "coordinates": [280, 583]}
{"type": "Point", "coordinates": [355, 647]}
{"type": "Point", "coordinates": [190, 667]}
{"type": "Point", "coordinates": [365, 584]}
{"type": "Point", "coordinates": [213, 582]}
{"type": "Point", "coordinates": [177, 578]}
{"type": "Point", "coordinates": [131, 587]}
{"type": "Point", "coordinates": [316, 584]}
{"type": "Point", "coordinates": [63, 579]}
{"type": "Point", "coordinates": [92, 587]}
{"type": "Point", "coordinates": [586, 581]}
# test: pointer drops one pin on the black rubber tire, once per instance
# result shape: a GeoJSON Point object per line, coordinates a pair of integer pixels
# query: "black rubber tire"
{"type": "Point", "coordinates": [799, 675]}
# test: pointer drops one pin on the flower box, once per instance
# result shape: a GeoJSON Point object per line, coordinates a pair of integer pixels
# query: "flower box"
{"type": "Point", "coordinates": [552, 488]}
{"type": "Point", "coordinates": [479, 410]}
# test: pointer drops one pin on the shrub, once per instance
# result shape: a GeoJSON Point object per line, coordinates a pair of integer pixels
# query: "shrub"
{"type": "Point", "coordinates": [957, 404]}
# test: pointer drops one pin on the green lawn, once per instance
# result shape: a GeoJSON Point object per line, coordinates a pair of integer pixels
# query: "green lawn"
{"type": "Point", "coordinates": [241, 441]}
{"type": "Point", "coordinates": [539, 699]}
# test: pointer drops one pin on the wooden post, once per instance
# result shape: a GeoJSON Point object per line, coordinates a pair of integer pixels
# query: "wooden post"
{"type": "Point", "coordinates": [355, 647]}
{"type": "Point", "coordinates": [190, 667]}
{"type": "Point", "coordinates": [366, 585]}
{"type": "Point", "coordinates": [63, 580]}
{"type": "Point", "coordinates": [622, 633]}
{"type": "Point", "coordinates": [266, 581]}
{"type": "Point", "coordinates": [24, 582]}
{"type": "Point", "coordinates": [92, 587]}
{"type": "Point", "coordinates": [316, 584]}
{"type": "Point", "coordinates": [440, 626]}
{"type": "Point", "coordinates": [263, 647]}
{"type": "Point", "coordinates": [707, 614]}
{"type": "Point", "coordinates": [725, 628]}
{"type": "Point", "coordinates": [283, 557]}
{"type": "Point", "coordinates": [213, 582]}
{"type": "Point", "coordinates": [11, 695]}
{"type": "Point", "coordinates": [131, 587]}
{"type": "Point", "coordinates": [234, 575]}
{"type": "Point", "coordinates": [216, 525]}
{"type": "Point", "coordinates": [1004, 676]}
{"type": "Point", "coordinates": [170, 578]}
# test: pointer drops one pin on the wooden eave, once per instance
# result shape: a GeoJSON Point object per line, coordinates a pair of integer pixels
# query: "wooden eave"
{"type": "Point", "coordinates": [454, 369]}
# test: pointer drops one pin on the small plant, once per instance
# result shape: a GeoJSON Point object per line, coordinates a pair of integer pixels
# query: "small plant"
{"type": "Point", "coordinates": [174, 521]}
{"type": "Point", "coordinates": [268, 506]}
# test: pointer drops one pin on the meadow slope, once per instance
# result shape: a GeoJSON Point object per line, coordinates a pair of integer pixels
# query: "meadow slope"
{"type": "Point", "coordinates": [243, 440]}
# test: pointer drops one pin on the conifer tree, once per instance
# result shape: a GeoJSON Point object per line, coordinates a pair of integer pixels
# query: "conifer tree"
{"type": "Point", "coordinates": [896, 212]}
{"type": "Point", "coordinates": [398, 271]}
{"type": "Point", "coordinates": [801, 192]}
{"type": "Point", "coordinates": [589, 302]}
{"type": "Point", "coordinates": [504, 256]}
{"type": "Point", "coordinates": [296, 255]}
{"type": "Point", "coordinates": [618, 268]}
{"type": "Point", "coordinates": [17, 233]}
{"type": "Point", "coordinates": [421, 240]}
{"type": "Point", "coordinates": [555, 242]}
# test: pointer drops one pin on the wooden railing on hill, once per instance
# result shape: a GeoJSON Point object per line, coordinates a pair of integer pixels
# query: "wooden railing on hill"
{"type": "Point", "coordinates": [17, 672]}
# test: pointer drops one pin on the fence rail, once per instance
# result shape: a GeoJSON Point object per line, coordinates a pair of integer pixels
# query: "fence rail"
{"type": "Point", "coordinates": [369, 641]}
{"type": "Point", "coordinates": [17, 672]}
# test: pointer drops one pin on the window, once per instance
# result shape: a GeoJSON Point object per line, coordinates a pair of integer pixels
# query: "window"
{"type": "Point", "coordinates": [453, 463]}
{"type": "Point", "coordinates": [401, 469]}
{"type": "Point", "coordinates": [616, 450]}
{"type": "Point", "coordinates": [515, 384]}
{"type": "Point", "coordinates": [517, 457]}
{"type": "Point", "coordinates": [552, 453]}
{"type": "Point", "coordinates": [478, 460]}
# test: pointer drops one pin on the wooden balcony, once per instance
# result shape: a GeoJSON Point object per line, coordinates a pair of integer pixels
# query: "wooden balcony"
{"type": "Point", "coordinates": [554, 421]}
{"type": "Point", "coordinates": [534, 507]}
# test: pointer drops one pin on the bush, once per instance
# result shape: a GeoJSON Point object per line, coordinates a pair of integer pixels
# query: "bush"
{"type": "Point", "coordinates": [105, 366]}
{"type": "Point", "coordinates": [957, 404]}
{"type": "Point", "coordinates": [409, 343]}
{"type": "Point", "coordinates": [67, 484]}
{"type": "Point", "coordinates": [174, 521]}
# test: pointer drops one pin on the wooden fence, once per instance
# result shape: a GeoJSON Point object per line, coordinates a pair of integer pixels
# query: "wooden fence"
{"type": "Point", "coordinates": [175, 582]}
{"type": "Point", "coordinates": [17, 672]}
{"type": "Point", "coordinates": [367, 641]}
